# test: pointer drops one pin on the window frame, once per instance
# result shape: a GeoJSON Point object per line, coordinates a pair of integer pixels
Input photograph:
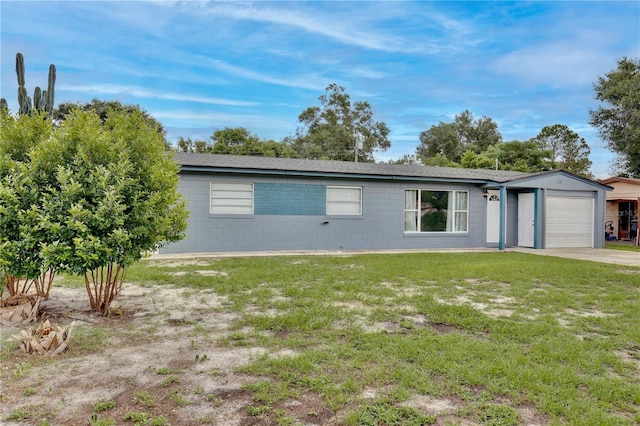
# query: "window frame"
{"type": "Point", "coordinates": [452, 213]}
{"type": "Point", "coordinates": [338, 214]}
{"type": "Point", "coordinates": [231, 214]}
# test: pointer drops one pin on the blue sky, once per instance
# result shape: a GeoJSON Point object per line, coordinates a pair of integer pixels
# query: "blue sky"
{"type": "Point", "coordinates": [198, 66]}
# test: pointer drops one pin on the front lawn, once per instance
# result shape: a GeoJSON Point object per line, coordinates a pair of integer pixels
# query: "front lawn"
{"type": "Point", "coordinates": [496, 338]}
{"type": "Point", "coordinates": [499, 338]}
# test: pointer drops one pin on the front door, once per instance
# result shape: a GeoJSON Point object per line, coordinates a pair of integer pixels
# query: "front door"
{"type": "Point", "coordinates": [526, 219]}
{"type": "Point", "coordinates": [493, 216]}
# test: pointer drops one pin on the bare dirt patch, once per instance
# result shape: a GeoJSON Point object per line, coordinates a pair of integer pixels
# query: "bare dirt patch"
{"type": "Point", "coordinates": [182, 262]}
{"type": "Point", "coordinates": [163, 343]}
{"type": "Point", "coordinates": [495, 307]}
{"type": "Point", "coordinates": [206, 273]}
{"type": "Point", "coordinates": [162, 355]}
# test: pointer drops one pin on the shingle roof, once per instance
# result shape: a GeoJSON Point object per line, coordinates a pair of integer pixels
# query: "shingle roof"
{"type": "Point", "coordinates": [620, 179]}
{"type": "Point", "coordinates": [257, 164]}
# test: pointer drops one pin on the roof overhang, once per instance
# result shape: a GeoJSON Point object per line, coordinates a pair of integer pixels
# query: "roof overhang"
{"type": "Point", "coordinates": [529, 181]}
{"type": "Point", "coordinates": [622, 199]}
{"type": "Point", "coordinates": [298, 173]}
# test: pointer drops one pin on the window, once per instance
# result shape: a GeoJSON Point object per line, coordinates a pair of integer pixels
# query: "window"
{"type": "Point", "coordinates": [436, 211]}
{"type": "Point", "coordinates": [231, 198]}
{"type": "Point", "coordinates": [344, 200]}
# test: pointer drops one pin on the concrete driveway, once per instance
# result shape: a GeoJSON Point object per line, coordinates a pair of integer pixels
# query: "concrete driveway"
{"type": "Point", "coordinates": [616, 257]}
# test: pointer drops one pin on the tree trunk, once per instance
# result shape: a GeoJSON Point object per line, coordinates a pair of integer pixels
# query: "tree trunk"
{"type": "Point", "coordinates": [44, 281]}
{"type": "Point", "coordinates": [103, 285]}
{"type": "Point", "coordinates": [19, 285]}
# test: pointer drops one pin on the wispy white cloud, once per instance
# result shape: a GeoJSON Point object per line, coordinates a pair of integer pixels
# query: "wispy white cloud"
{"type": "Point", "coordinates": [266, 125]}
{"type": "Point", "coordinates": [368, 73]}
{"type": "Point", "coordinates": [555, 64]}
{"type": "Point", "coordinates": [138, 92]}
{"type": "Point", "coordinates": [317, 23]}
{"type": "Point", "coordinates": [209, 64]}
{"type": "Point", "coordinates": [360, 24]}
{"type": "Point", "coordinates": [311, 81]}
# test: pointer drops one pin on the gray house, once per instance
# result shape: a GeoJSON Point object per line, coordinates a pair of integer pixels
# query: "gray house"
{"type": "Point", "coordinates": [241, 203]}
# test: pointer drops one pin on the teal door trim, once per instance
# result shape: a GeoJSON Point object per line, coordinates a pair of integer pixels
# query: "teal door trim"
{"type": "Point", "coordinates": [537, 218]}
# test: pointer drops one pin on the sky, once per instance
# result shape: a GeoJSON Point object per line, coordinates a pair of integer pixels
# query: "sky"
{"type": "Point", "coordinates": [200, 66]}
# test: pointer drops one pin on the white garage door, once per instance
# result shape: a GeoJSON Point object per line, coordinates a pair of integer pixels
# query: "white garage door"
{"type": "Point", "coordinates": [569, 222]}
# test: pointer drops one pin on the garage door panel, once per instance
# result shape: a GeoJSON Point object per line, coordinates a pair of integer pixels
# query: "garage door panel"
{"type": "Point", "coordinates": [569, 222]}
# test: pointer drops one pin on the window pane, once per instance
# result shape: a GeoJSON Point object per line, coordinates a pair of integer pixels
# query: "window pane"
{"type": "Point", "coordinates": [219, 186]}
{"type": "Point", "coordinates": [231, 210]}
{"type": "Point", "coordinates": [433, 210]}
{"type": "Point", "coordinates": [343, 194]}
{"type": "Point", "coordinates": [411, 221]}
{"type": "Point", "coordinates": [461, 200]}
{"type": "Point", "coordinates": [461, 221]}
{"type": "Point", "coordinates": [411, 199]}
{"type": "Point", "coordinates": [344, 208]}
{"type": "Point", "coordinates": [231, 202]}
{"type": "Point", "coordinates": [231, 198]}
{"type": "Point", "coordinates": [344, 201]}
{"type": "Point", "coordinates": [231, 194]}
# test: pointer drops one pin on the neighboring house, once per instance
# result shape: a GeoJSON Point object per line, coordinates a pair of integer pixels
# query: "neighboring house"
{"type": "Point", "coordinates": [621, 219]}
{"type": "Point", "coordinates": [242, 203]}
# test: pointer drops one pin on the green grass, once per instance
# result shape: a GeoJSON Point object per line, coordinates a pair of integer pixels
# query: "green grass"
{"type": "Point", "coordinates": [141, 418]}
{"type": "Point", "coordinates": [494, 331]}
{"type": "Point", "coordinates": [103, 405]}
{"type": "Point", "coordinates": [623, 247]}
{"type": "Point", "coordinates": [143, 398]}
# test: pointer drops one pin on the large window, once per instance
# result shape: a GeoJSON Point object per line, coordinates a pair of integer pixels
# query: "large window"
{"type": "Point", "coordinates": [436, 211]}
{"type": "Point", "coordinates": [231, 198]}
{"type": "Point", "coordinates": [344, 200]}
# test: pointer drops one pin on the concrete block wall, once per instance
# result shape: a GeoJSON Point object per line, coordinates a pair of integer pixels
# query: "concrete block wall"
{"type": "Point", "coordinates": [289, 214]}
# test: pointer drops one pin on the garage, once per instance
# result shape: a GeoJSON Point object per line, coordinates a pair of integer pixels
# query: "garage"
{"type": "Point", "coordinates": [569, 222]}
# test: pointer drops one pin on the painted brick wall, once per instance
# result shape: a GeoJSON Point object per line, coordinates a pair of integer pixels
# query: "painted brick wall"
{"type": "Point", "coordinates": [289, 199]}
{"type": "Point", "coordinates": [381, 225]}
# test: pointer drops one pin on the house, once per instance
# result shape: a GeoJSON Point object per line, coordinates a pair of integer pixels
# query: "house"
{"type": "Point", "coordinates": [621, 221]}
{"type": "Point", "coordinates": [242, 203]}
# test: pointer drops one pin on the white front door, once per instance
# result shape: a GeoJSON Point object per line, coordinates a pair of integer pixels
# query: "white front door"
{"type": "Point", "coordinates": [526, 219]}
{"type": "Point", "coordinates": [493, 216]}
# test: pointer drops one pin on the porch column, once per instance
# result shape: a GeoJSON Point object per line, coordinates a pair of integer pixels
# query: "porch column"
{"type": "Point", "coordinates": [503, 218]}
{"type": "Point", "coordinates": [537, 219]}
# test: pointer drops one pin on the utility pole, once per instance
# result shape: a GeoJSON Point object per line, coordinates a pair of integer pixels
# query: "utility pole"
{"type": "Point", "coordinates": [359, 144]}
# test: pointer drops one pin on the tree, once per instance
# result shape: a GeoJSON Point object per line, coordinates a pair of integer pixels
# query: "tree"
{"type": "Point", "coordinates": [441, 139]}
{"type": "Point", "coordinates": [471, 160]}
{"type": "Point", "coordinates": [111, 198]}
{"type": "Point", "coordinates": [188, 145]}
{"type": "Point", "coordinates": [405, 159]}
{"type": "Point", "coordinates": [21, 232]}
{"type": "Point", "coordinates": [525, 156]}
{"type": "Point", "coordinates": [619, 123]}
{"type": "Point", "coordinates": [19, 258]}
{"type": "Point", "coordinates": [476, 135]}
{"type": "Point", "coordinates": [237, 141]}
{"type": "Point", "coordinates": [104, 108]}
{"type": "Point", "coordinates": [567, 149]}
{"type": "Point", "coordinates": [340, 130]}
{"type": "Point", "coordinates": [453, 139]}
